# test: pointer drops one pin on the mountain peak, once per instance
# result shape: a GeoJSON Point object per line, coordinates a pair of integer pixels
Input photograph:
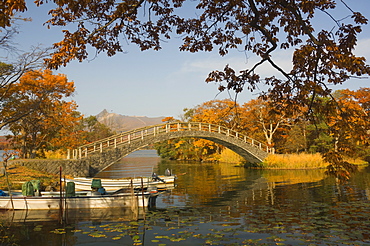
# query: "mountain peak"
{"type": "Point", "coordinates": [122, 123]}
{"type": "Point", "coordinates": [102, 113]}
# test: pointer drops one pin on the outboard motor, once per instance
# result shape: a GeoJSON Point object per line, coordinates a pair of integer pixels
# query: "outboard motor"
{"type": "Point", "coordinates": [156, 178]}
{"type": "Point", "coordinates": [167, 172]}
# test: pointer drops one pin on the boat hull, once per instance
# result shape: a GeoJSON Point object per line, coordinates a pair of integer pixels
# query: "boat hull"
{"type": "Point", "coordinates": [91, 202]}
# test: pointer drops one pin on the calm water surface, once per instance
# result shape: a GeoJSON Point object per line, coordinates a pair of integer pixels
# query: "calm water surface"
{"type": "Point", "coordinates": [213, 204]}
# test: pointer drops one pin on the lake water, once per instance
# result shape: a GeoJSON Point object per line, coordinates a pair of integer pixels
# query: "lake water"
{"type": "Point", "coordinates": [213, 204]}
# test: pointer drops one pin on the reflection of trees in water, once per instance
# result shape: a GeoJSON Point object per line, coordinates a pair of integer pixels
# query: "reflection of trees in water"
{"type": "Point", "coordinates": [217, 184]}
{"type": "Point", "coordinates": [202, 182]}
{"type": "Point", "coordinates": [251, 202]}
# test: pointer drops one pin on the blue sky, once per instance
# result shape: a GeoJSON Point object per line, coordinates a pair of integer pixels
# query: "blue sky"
{"type": "Point", "coordinates": [158, 83]}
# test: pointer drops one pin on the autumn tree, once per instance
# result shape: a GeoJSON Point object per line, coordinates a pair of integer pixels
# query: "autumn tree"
{"type": "Point", "coordinates": [186, 149]}
{"type": "Point", "coordinates": [61, 135]}
{"type": "Point", "coordinates": [321, 55]}
{"type": "Point", "coordinates": [52, 121]}
{"type": "Point", "coordinates": [168, 119]}
{"type": "Point", "coordinates": [354, 109]}
{"type": "Point", "coordinates": [179, 148]}
{"type": "Point", "coordinates": [263, 116]}
{"type": "Point", "coordinates": [219, 112]}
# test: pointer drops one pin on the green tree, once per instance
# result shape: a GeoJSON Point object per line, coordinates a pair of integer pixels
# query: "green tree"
{"type": "Point", "coordinates": [319, 139]}
{"type": "Point", "coordinates": [93, 130]}
{"type": "Point", "coordinates": [166, 149]}
{"type": "Point", "coordinates": [296, 139]}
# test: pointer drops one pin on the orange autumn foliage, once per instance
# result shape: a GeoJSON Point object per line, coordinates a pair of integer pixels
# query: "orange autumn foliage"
{"type": "Point", "coordinates": [49, 121]}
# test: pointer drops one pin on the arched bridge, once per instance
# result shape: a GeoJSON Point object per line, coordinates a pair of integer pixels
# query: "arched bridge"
{"type": "Point", "coordinates": [127, 142]}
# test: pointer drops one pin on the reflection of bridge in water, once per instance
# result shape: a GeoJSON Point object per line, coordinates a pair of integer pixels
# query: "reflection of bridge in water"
{"type": "Point", "coordinates": [127, 142]}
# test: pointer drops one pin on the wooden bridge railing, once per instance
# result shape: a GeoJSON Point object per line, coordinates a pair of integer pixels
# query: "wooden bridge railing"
{"type": "Point", "coordinates": [141, 133]}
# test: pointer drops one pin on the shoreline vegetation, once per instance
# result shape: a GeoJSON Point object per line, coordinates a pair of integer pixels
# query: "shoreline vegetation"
{"type": "Point", "coordinates": [301, 161]}
{"type": "Point", "coordinates": [19, 174]}
{"type": "Point", "coordinates": [285, 161]}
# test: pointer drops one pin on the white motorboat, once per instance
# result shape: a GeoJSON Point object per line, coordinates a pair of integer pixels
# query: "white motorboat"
{"type": "Point", "coordinates": [48, 201]}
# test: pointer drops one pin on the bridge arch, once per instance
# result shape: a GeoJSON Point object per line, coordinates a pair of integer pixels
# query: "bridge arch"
{"type": "Point", "coordinates": [253, 151]}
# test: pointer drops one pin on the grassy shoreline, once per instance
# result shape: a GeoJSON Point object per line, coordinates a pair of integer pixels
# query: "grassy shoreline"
{"type": "Point", "coordinates": [19, 174]}
{"type": "Point", "coordinates": [300, 161]}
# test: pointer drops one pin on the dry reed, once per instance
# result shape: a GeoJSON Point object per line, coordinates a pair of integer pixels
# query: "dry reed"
{"type": "Point", "coordinates": [294, 161]}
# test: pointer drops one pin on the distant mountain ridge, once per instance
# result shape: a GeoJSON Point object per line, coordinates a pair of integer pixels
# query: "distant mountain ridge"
{"type": "Point", "coordinates": [122, 123]}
